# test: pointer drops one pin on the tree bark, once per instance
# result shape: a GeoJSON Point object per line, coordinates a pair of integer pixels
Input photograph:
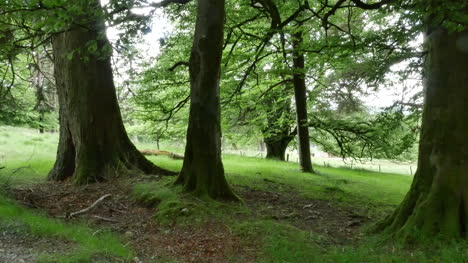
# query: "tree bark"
{"type": "Point", "coordinates": [277, 134]}
{"type": "Point", "coordinates": [437, 203]}
{"type": "Point", "coordinates": [202, 171]}
{"type": "Point", "coordinates": [93, 144]}
{"type": "Point", "coordinates": [300, 96]}
{"type": "Point", "coordinates": [277, 149]}
{"type": "Point", "coordinates": [40, 84]}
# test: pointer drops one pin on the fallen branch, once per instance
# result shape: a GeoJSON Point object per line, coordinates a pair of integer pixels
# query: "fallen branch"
{"type": "Point", "coordinates": [82, 211]}
{"type": "Point", "coordinates": [158, 152]}
{"type": "Point", "coordinates": [105, 219]}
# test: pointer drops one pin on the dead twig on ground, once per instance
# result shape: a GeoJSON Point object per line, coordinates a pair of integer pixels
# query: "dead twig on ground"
{"type": "Point", "coordinates": [105, 219]}
{"type": "Point", "coordinates": [89, 208]}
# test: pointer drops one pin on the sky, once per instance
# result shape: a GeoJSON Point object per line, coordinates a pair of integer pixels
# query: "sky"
{"type": "Point", "coordinates": [159, 28]}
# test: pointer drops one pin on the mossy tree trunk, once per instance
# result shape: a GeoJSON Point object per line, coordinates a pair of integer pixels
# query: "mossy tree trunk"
{"type": "Point", "coordinates": [437, 203]}
{"type": "Point", "coordinates": [202, 171]}
{"type": "Point", "coordinates": [93, 144]}
{"type": "Point", "coordinates": [300, 95]}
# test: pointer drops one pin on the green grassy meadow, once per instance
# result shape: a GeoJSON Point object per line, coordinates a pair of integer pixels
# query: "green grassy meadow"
{"type": "Point", "coordinates": [28, 155]}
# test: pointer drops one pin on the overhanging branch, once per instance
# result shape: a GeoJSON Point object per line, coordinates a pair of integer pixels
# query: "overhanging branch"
{"type": "Point", "coordinates": [178, 64]}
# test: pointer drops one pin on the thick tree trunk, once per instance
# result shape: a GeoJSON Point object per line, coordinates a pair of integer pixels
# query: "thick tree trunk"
{"type": "Point", "coordinates": [437, 203]}
{"type": "Point", "coordinates": [300, 96]}
{"type": "Point", "coordinates": [277, 149]}
{"type": "Point", "coordinates": [93, 144]}
{"type": "Point", "coordinates": [202, 172]}
{"type": "Point", "coordinates": [277, 133]}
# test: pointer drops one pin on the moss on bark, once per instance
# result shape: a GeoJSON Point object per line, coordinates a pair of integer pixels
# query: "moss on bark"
{"type": "Point", "coordinates": [437, 201]}
{"type": "Point", "coordinates": [93, 144]}
{"type": "Point", "coordinates": [202, 172]}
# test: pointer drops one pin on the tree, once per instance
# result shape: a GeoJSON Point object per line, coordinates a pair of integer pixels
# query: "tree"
{"type": "Point", "coordinates": [437, 203]}
{"type": "Point", "coordinates": [300, 95]}
{"type": "Point", "coordinates": [42, 81]}
{"type": "Point", "coordinates": [279, 129]}
{"type": "Point", "coordinates": [256, 69]}
{"type": "Point", "coordinates": [202, 171]}
{"type": "Point", "coordinates": [93, 144]}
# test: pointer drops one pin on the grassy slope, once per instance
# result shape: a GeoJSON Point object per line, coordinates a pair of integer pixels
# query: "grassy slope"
{"type": "Point", "coordinates": [376, 192]}
{"type": "Point", "coordinates": [369, 192]}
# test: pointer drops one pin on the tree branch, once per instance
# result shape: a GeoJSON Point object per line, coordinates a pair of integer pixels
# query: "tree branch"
{"type": "Point", "coordinates": [165, 3]}
{"type": "Point", "coordinates": [178, 64]}
{"type": "Point", "coordinates": [373, 6]}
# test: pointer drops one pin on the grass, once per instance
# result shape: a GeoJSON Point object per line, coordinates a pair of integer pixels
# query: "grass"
{"type": "Point", "coordinates": [374, 192]}
{"type": "Point", "coordinates": [375, 250]}
{"type": "Point", "coordinates": [87, 243]}
{"type": "Point", "coordinates": [176, 207]}
{"type": "Point", "coordinates": [26, 154]}
{"type": "Point", "coordinates": [281, 243]}
{"type": "Point", "coordinates": [29, 155]}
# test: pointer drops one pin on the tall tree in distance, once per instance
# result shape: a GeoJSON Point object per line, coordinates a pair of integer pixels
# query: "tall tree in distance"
{"type": "Point", "coordinates": [202, 171]}
{"type": "Point", "coordinates": [93, 144]}
{"type": "Point", "coordinates": [279, 129]}
{"type": "Point", "coordinates": [437, 203]}
{"type": "Point", "coordinates": [300, 95]}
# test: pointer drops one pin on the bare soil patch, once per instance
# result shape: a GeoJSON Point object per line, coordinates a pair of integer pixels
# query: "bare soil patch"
{"type": "Point", "coordinates": [339, 224]}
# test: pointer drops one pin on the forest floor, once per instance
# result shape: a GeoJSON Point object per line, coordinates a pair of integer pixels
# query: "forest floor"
{"type": "Point", "coordinates": [133, 220]}
{"type": "Point", "coordinates": [286, 215]}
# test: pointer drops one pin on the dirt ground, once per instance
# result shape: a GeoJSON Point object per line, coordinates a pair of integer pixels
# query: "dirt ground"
{"type": "Point", "coordinates": [16, 245]}
{"type": "Point", "coordinates": [213, 243]}
{"type": "Point", "coordinates": [340, 225]}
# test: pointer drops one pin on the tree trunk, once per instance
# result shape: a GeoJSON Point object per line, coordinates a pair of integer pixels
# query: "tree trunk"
{"type": "Point", "coordinates": [437, 203]}
{"type": "Point", "coordinates": [300, 96]}
{"type": "Point", "coordinates": [277, 149]}
{"type": "Point", "coordinates": [202, 171]}
{"type": "Point", "coordinates": [277, 132]}
{"type": "Point", "coordinates": [93, 144]}
{"type": "Point", "coordinates": [41, 120]}
{"type": "Point", "coordinates": [40, 85]}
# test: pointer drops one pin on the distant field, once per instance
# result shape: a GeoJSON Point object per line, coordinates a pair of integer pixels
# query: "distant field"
{"type": "Point", "coordinates": [384, 166]}
{"type": "Point", "coordinates": [31, 148]}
